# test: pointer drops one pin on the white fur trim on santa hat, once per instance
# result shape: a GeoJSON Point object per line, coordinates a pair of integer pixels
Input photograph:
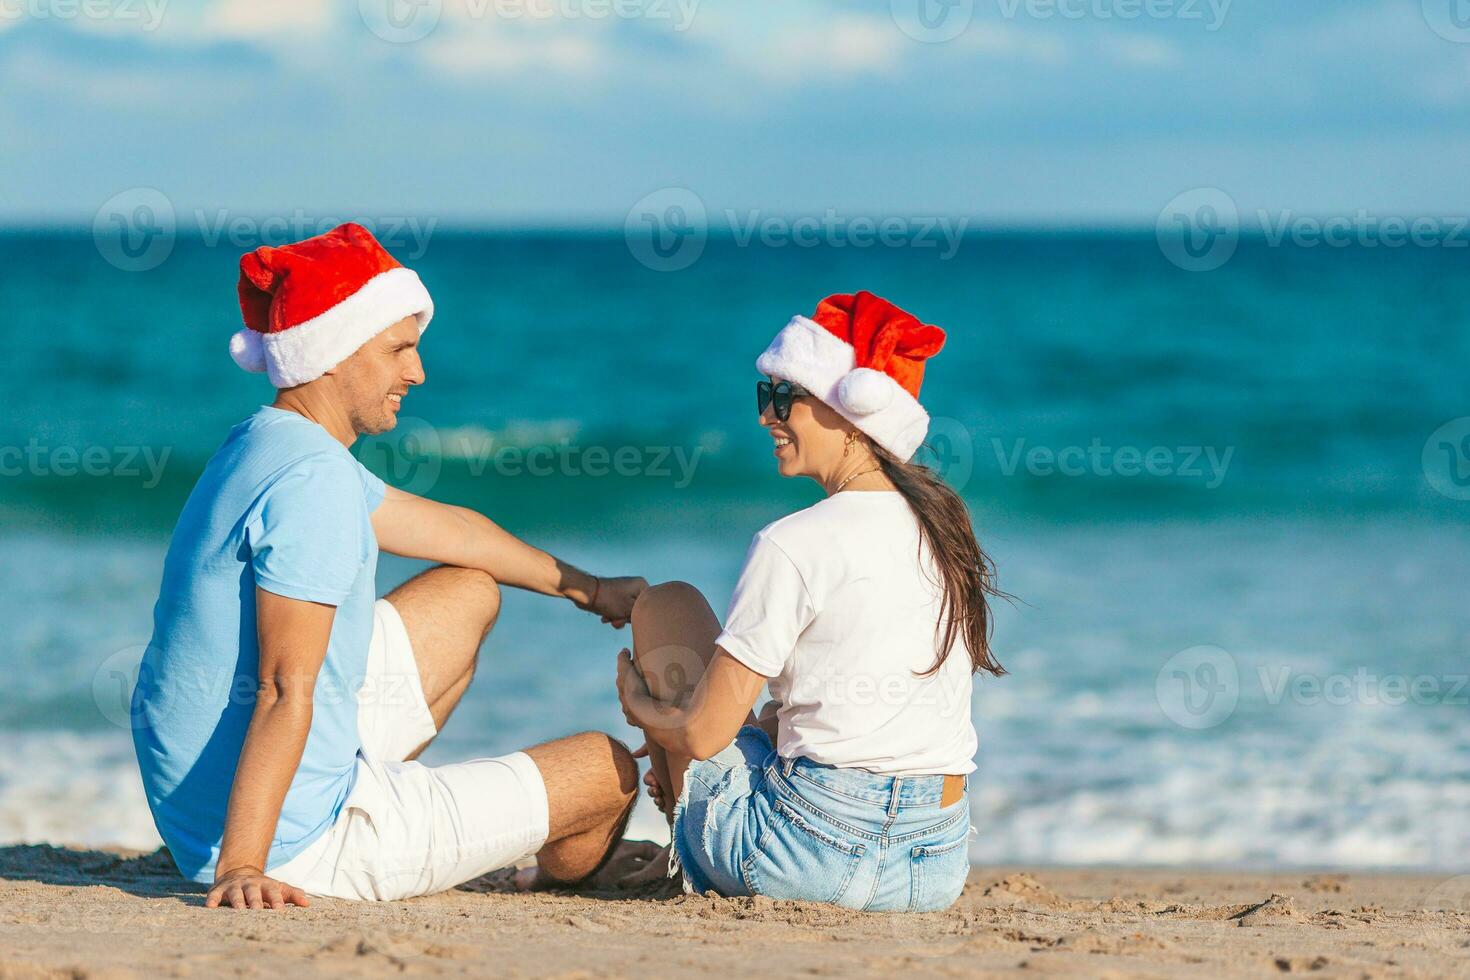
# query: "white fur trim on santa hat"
{"type": "Point", "coordinates": [312, 348]}
{"type": "Point", "coordinates": [823, 364]}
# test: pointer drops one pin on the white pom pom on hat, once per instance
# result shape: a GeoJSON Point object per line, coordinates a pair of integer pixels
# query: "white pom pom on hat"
{"type": "Point", "coordinates": [864, 391]}
{"type": "Point", "coordinates": [248, 350]}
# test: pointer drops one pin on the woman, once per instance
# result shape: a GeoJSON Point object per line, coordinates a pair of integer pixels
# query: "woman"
{"type": "Point", "coordinates": [866, 613]}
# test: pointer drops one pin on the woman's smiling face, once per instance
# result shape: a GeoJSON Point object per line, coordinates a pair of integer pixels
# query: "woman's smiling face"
{"type": "Point", "coordinates": [811, 440]}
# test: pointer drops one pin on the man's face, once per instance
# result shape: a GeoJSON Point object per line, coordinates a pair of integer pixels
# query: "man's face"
{"type": "Point", "coordinates": [373, 381]}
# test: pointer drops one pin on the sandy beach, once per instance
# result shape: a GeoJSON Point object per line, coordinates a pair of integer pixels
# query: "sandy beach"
{"type": "Point", "coordinates": [89, 913]}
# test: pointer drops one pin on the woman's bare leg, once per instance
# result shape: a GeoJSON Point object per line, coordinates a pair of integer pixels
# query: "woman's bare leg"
{"type": "Point", "coordinates": [674, 632]}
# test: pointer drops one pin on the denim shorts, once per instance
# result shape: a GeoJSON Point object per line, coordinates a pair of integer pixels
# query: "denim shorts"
{"type": "Point", "coordinates": [752, 823]}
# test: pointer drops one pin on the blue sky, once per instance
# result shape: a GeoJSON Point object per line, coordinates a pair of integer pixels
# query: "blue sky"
{"type": "Point", "coordinates": [541, 111]}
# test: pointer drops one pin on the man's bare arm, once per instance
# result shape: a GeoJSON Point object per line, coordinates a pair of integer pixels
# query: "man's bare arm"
{"type": "Point", "coordinates": [416, 527]}
{"type": "Point", "coordinates": [293, 637]}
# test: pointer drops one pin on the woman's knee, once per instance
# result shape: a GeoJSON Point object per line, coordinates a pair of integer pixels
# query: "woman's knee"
{"type": "Point", "coordinates": [662, 598]}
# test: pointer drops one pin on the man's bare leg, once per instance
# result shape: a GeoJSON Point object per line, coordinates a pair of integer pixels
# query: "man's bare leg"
{"type": "Point", "coordinates": [591, 785]}
{"type": "Point", "coordinates": [448, 612]}
{"type": "Point", "coordinates": [591, 779]}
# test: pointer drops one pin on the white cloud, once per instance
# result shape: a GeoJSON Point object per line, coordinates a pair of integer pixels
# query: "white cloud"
{"type": "Point", "coordinates": [818, 50]}
{"type": "Point", "coordinates": [248, 19]}
{"type": "Point", "coordinates": [853, 45]}
{"type": "Point", "coordinates": [501, 53]}
{"type": "Point", "coordinates": [1141, 51]}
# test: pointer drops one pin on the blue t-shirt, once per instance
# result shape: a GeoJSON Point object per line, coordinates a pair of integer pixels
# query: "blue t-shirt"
{"type": "Point", "coordinates": [284, 506]}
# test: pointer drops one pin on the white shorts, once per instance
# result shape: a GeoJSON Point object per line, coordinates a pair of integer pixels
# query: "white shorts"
{"type": "Point", "coordinates": [408, 829]}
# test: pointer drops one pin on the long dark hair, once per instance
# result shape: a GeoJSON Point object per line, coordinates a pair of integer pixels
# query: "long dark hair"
{"type": "Point", "coordinates": [969, 575]}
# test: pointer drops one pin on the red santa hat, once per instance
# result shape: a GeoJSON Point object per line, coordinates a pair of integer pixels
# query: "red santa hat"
{"type": "Point", "coordinates": [864, 357]}
{"type": "Point", "coordinates": [308, 306]}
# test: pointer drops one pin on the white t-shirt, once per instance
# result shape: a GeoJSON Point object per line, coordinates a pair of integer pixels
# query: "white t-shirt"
{"type": "Point", "coordinates": [837, 607]}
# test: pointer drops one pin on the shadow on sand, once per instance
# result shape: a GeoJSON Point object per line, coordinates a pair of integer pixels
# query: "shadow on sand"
{"type": "Point", "coordinates": [137, 873]}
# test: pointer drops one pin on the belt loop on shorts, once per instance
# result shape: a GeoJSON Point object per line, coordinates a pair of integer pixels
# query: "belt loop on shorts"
{"type": "Point", "coordinates": [787, 765]}
{"type": "Point", "coordinates": [893, 796]}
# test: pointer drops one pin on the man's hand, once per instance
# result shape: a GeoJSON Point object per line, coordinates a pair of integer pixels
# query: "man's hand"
{"type": "Point", "coordinates": [614, 599]}
{"type": "Point", "coordinates": [250, 888]}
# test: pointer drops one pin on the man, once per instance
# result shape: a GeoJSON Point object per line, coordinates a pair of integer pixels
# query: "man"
{"type": "Point", "coordinates": [279, 706]}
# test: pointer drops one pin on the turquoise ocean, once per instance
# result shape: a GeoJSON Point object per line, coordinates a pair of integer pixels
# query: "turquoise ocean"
{"type": "Point", "coordinates": [1232, 506]}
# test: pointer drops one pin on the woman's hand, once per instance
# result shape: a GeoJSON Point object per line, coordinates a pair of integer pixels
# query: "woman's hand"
{"type": "Point", "coordinates": [650, 780]}
{"type": "Point", "coordinates": [632, 690]}
{"type": "Point", "coordinates": [251, 888]}
{"type": "Point", "coordinates": [613, 599]}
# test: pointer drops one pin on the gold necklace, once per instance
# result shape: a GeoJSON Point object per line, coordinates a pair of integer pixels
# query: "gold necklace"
{"type": "Point", "coordinates": [854, 477]}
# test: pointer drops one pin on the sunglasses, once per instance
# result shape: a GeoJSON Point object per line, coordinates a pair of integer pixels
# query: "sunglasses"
{"type": "Point", "coordinates": [779, 395]}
